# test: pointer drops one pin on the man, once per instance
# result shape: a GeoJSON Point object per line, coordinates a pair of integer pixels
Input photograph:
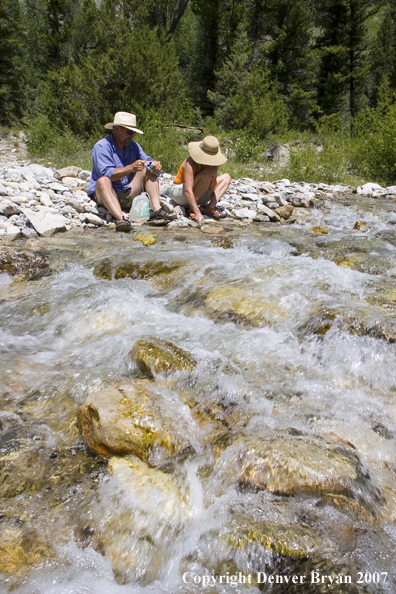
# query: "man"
{"type": "Point", "coordinates": [119, 173]}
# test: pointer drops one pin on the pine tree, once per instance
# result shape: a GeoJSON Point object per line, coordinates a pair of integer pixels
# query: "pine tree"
{"type": "Point", "coordinates": [10, 62]}
{"type": "Point", "coordinates": [344, 48]}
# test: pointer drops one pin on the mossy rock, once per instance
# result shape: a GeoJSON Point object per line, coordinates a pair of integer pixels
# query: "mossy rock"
{"type": "Point", "coordinates": [22, 263]}
{"type": "Point", "coordinates": [129, 418]}
{"type": "Point", "coordinates": [104, 269]}
{"type": "Point", "coordinates": [139, 515]}
{"type": "Point", "coordinates": [319, 230]}
{"type": "Point", "coordinates": [222, 242]}
{"type": "Point", "coordinates": [145, 238]}
{"type": "Point", "coordinates": [237, 304]}
{"type": "Point", "coordinates": [361, 226]}
{"type": "Point", "coordinates": [32, 470]}
{"type": "Point", "coordinates": [296, 542]}
{"type": "Point", "coordinates": [20, 549]}
{"type": "Point", "coordinates": [154, 355]}
{"type": "Point", "coordinates": [290, 465]}
{"type": "Point", "coordinates": [161, 275]}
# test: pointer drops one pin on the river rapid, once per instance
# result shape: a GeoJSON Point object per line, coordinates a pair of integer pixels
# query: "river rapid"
{"type": "Point", "coordinates": [293, 330]}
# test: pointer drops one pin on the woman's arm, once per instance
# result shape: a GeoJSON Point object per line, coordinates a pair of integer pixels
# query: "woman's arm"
{"type": "Point", "coordinates": [189, 174]}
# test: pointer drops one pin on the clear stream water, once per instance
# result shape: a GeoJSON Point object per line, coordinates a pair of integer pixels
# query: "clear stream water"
{"type": "Point", "coordinates": [293, 330]}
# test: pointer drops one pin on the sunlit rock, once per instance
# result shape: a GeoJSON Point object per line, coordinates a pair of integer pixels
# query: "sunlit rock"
{"type": "Point", "coordinates": [154, 355]}
{"type": "Point", "coordinates": [290, 466]}
{"type": "Point", "coordinates": [285, 211]}
{"type": "Point", "coordinates": [138, 517]}
{"type": "Point", "coordinates": [20, 549]}
{"type": "Point", "coordinates": [222, 243]}
{"type": "Point", "coordinates": [290, 541]}
{"type": "Point", "coordinates": [319, 230]}
{"type": "Point", "coordinates": [161, 275]}
{"type": "Point", "coordinates": [127, 418]}
{"type": "Point", "coordinates": [145, 238]}
{"type": "Point", "coordinates": [241, 305]}
{"type": "Point", "coordinates": [361, 226]}
{"type": "Point", "coordinates": [22, 263]}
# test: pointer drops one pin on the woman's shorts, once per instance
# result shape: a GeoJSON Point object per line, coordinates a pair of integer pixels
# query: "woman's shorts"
{"type": "Point", "coordinates": [176, 192]}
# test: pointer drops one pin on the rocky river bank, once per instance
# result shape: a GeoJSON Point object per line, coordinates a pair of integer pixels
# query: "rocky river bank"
{"type": "Point", "coordinates": [183, 405]}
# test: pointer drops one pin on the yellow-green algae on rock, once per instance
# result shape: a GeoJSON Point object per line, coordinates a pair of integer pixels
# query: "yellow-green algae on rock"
{"type": "Point", "coordinates": [319, 230]}
{"type": "Point", "coordinates": [290, 541]}
{"type": "Point", "coordinates": [161, 275]}
{"type": "Point", "coordinates": [20, 549]}
{"type": "Point", "coordinates": [145, 238]}
{"type": "Point", "coordinates": [287, 465]}
{"type": "Point", "coordinates": [241, 305]}
{"type": "Point", "coordinates": [140, 513]}
{"type": "Point", "coordinates": [126, 418]}
{"type": "Point", "coordinates": [155, 355]}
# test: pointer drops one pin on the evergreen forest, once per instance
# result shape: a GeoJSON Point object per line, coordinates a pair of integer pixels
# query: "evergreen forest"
{"type": "Point", "coordinates": [316, 75]}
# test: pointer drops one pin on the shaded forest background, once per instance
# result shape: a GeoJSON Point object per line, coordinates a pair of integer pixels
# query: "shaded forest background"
{"type": "Point", "coordinates": [316, 75]}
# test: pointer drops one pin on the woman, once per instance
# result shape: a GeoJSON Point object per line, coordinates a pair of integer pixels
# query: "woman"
{"type": "Point", "coordinates": [197, 183]}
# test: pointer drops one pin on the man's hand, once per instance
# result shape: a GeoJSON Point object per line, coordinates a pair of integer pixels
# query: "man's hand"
{"type": "Point", "coordinates": [156, 166]}
{"type": "Point", "coordinates": [137, 165]}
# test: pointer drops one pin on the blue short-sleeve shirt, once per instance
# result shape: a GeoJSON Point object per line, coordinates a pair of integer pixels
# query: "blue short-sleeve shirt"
{"type": "Point", "coordinates": [107, 156]}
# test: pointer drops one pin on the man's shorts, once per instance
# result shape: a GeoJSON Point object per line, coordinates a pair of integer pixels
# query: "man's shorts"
{"type": "Point", "coordinates": [178, 195]}
{"type": "Point", "coordinates": [124, 198]}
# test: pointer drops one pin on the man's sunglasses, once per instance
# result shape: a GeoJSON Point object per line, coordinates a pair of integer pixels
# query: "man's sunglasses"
{"type": "Point", "coordinates": [129, 132]}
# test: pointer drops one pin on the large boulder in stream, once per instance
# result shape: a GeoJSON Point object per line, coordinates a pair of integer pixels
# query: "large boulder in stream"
{"type": "Point", "coordinates": [297, 465]}
{"type": "Point", "coordinates": [139, 514]}
{"type": "Point", "coordinates": [131, 417]}
{"type": "Point", "coordinates": [155, 355]}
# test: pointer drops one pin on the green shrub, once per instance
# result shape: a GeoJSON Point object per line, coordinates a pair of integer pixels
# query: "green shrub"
{"type": "Point", "coordinates": [375, 131]}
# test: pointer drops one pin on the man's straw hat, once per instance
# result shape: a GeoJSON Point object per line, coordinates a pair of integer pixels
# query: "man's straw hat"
{"type": "Point", "coordinates": [124, 119]}
{"type": "Point", "coordinates": [207, 152]}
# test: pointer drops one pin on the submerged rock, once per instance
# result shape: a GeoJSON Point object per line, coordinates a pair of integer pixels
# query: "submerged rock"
{"type": "Point", "coordinates": [22, 263]}
{"type": "Point", "coordinates": [140, 513]}
{"type": "Point", "coordinates": [241, 305]}
{"type": "Point", "coordinates": [294, 541]}
{"type": "Point", "coordinates": [129, 418]}
{"type": "Point", "coordinates": [154, 355]}
{"type": "Point", "coordinates": [20, 549]}
{"type": "Point", "coordinates": [145, 238]}
{"type": "Point", "coordinates": [161, 275]}
{"type": "Point", "coordinates": [290, 466]}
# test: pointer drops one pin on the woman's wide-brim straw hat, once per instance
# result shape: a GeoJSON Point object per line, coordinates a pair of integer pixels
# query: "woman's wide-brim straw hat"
{"type": "Point", "coordinates": [207, 152]}
{"type": "Point", "coordinates": [124, 119]}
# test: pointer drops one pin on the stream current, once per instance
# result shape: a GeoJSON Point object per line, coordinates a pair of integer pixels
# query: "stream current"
{"type": "Point", "coordinates": [293, 332]}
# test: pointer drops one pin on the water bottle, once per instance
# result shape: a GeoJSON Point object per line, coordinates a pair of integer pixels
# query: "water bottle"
{"type": "Point", "coordinates": [140, 209]}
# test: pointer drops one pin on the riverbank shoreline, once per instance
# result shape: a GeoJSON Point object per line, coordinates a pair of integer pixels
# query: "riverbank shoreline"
{"type": "Point", "coordinates": [40, 201]}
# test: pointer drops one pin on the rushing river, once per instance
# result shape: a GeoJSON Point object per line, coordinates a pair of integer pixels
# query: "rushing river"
{"type": "Point", "coordinates": [293, 331]}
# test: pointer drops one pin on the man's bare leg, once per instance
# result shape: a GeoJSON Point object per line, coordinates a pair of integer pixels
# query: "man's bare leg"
{"type": "Point", "coordinates": [107, 197]}
{"type": "Point", "coordinates": [149, 182]}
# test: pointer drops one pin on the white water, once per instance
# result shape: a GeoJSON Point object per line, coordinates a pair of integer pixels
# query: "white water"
{"type": "Point", "coordinates": [70, 334]}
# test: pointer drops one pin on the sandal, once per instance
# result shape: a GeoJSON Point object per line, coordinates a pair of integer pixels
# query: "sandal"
{"type": "Point", "coordinates": [161, 214]}
{"type": "Point", "coordinates": [124, 226]}
{"type": "Point", "coordinates": [214, 213]}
